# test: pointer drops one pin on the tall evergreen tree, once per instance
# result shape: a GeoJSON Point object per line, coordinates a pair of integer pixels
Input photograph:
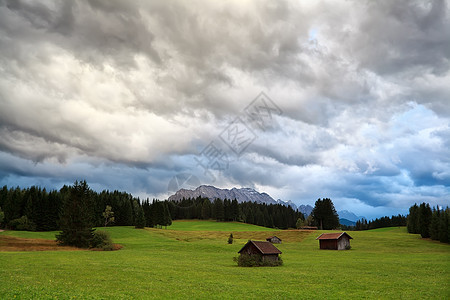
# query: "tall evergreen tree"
{"type": "Point", "coordinates": [444, 226]}
{"type": "Point", "coordinates": [424, 220]}
{"type": "Point", "coordinates": [2, 216]}
{"type": "Point", "coordinates": [413, 219]}
{"type": "Point", "coordinates": [434, 225]}
{"type": "Point", "coordinates": [76, 217]}
{"type": "Point", "coordinates": [206, 209]}
{"type": "Point", "coordinates": [235, 210]}
{"type": "Point", "coordinates": [139, 212]}
{"type": "Point", "coordinates": [325, 215]}
{"type": "Point", "coordinates": [167, 220]}
{"type": "Point", "coordinates": [219, 210]}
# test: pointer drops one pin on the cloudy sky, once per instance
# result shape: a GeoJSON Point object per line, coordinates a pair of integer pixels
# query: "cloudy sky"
{"type": "Point", "coordinates": [300, 99]}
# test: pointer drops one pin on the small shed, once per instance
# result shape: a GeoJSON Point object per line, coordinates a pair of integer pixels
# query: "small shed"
{"type": "Point", "coordinates": [334, 241]}
{"type": "Point", "coordinates": [266, 250]}
{"type": "Point", "coordinates": [309, 228]}
{"type": "Point", "coordinates": [274, 239]}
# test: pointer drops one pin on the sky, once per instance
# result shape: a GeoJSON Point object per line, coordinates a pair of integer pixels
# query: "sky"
{"type": "Point", "coordinates": [348, 100]}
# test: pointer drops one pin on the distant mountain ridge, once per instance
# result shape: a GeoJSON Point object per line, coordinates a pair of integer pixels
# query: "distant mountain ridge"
{"type": "Point", "coordinates": [249, 195]}
{"type": "Point", "coordinates": [348, 215]}
{"type": "Point", "coordinates": [346, 222]}
{"type": "Point", "coordinates": [306, 210]}
{"type": "Point", "coordinates": [211, 192]}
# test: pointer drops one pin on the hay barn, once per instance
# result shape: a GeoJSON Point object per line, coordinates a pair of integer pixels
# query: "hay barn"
{"type": "Point", "coordinates": [264, 249]}
{"type": "Point", "coordinates": [334, 241]}
{"type": "Point", "coordinates": [274, 240]}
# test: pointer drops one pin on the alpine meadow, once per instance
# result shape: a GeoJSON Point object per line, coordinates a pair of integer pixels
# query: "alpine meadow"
{"type": "Point", "coordinates": [202, 149]}
{"type": "Point", "coordinates": [193, 260]}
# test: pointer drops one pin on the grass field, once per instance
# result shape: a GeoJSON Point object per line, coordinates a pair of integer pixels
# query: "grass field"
{"type": "Point", "coordinates": [191, 259]}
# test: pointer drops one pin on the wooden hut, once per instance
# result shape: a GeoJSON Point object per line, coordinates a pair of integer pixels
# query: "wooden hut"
{"type": "Point", "coordinates": [266, 250]}
{"type": "Point", "coordinates": [334, 241]}
{"type": "Point", "coordinates": [274, 239]}
{"type": "Point", "coordinates": [309, 228]}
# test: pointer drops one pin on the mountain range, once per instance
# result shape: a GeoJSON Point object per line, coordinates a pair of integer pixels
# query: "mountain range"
{"type": "Point", "coordinates": [250, 195]}
{"type": "Point", "coordinates": [211, 192]}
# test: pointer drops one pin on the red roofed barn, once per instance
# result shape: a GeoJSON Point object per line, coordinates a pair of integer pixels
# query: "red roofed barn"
{"type": "Point", "coordinates": [265, 249]}
{"type": "Point", "coordinates": [334, 241]}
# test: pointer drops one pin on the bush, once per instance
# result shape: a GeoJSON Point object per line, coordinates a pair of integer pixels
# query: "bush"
{"type": "Point", "coordinates": [23, 223]}
{"type": "Point", "coordinates": [245, 260]}
{"type": "Point", "coordinates": [102, 240]}
{"type": "Point", "coordinates": [230, 239]}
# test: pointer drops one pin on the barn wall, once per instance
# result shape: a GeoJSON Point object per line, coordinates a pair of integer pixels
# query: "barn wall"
{"type": "Point", "coordinates": [271, 257]}
{"type": "Point", "coordinates": [343, 242]}
{"type": "Point", "coordinates": [328, 244]}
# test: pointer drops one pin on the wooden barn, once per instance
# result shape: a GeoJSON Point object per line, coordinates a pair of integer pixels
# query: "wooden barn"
{"type": "Point", "coordinates": [265, 249]}
{"type": "Point", "coordinates": [274, 240]}
{"type": "Point", "coordinates": [334, 241]}
{"type": "Point", "coordinates": [309, 228]}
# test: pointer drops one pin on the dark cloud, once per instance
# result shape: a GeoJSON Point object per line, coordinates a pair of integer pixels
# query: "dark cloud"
{"type": "Point", "coordinates": [127, 94]}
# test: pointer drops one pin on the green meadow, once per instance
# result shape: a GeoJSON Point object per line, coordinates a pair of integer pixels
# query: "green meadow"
{"type": "Point", "coordinates": [191, 260]}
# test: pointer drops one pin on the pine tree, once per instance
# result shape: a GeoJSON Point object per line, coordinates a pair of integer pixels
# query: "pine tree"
{"type": "Point", "coordinates": [167, 220]}
{"type": "Point", "coordinates": [413, 219]}
{"type": "Point", "coordinates": [219, 210]}
{"type": "Point", "coordinates": [325, 215]}
{"type": "Point", "coordinates": [2, 216]}
{"type": "Point", "coordinates": [159, 207]}
{"type": "Point", "coordinates": [444, 226]}
{"type": "Point", "coordinates": [434, 225]}
{"type": "Point", "coordinates": [140, 218]}
{"type": "Point", "coordinates": [76, 217]}
{"type": "Point", "coordinates": [235, 210]}
{"type": "Point", "coordinates": [206, 209]}
{"type": "Point", "coordinates": [424, 220]}
{"type": "Point", "coordinates": [230, 239]}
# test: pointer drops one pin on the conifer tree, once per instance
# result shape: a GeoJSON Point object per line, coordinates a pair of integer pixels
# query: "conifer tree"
{"type": "Point", "coordinates": [235, 210]}
{"type": "Point", "coordinates": [444, 226]}
{"type": "Point", "coordinates": [2, 216]}
{"type": "Point", "coordinates": [424, 220]}
{"type": "Point", "coordinates": [206, 209]}
{"type": "Point", "coordinates": [76, 217]}
{"type": "Point", "coordinates": [140, 218]}
{"type": "Point", "coordinates": [413, 219]}
{"type": "Point", "coordinates": [434, 225]}
{"type": "Point", "coordinates": [219, 210]}
{"type": "Point", "coordinates": [230, 239]}
{"type": "Point", "coordinates": [325, 215]}
{"type": "Point", "coordinates": [167, 220]}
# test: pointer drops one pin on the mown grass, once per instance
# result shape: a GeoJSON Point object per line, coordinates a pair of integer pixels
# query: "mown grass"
{"type": "Point", "coordinates": [187, 262]}
{"type": "Point", "coordinates": [197, 225]}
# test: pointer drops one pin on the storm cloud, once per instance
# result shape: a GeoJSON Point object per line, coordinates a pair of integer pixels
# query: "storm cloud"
{"type": "Point", "coordinates": [128, 94]}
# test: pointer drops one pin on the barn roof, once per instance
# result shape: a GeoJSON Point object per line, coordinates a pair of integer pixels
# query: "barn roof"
{"type": "Point", "coordinates": [263, 247]}
{"type": "Point", "coordinates": [332, 236]}
{"type": "Point", "coordinates": [271, 237]}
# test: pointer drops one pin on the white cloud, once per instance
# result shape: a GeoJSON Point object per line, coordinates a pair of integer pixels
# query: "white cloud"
{"type": "Point", "coordinates": [118, 89]}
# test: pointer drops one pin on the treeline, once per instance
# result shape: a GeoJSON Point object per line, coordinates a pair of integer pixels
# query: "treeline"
{"type": "Point", "coordinates": [36, 209]}
{"type": "Point", "coordinates": [267, 215]}
{"type": "Point", "coordinates": [363, 224]}
{"type": "Point", "coordinates": [429, 223]}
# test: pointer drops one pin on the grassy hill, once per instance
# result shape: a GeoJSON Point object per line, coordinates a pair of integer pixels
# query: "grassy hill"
{"type": "Point", "coordinates": [191, 259]}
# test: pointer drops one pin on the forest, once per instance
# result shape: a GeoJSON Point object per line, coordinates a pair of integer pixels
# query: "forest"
{"type": "Point", "coordinates": [429, 223]}
{"type": "Point", "coordinates": [36, 209]}
{"type": "Point", "coordinates": [363, 224]}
